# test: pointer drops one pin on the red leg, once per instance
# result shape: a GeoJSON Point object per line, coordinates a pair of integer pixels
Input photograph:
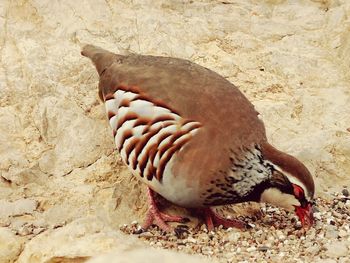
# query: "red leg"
{"type": "Point", "coordinates": [212, 220]}
{"type": "Point", "coordinates": [154, 216]}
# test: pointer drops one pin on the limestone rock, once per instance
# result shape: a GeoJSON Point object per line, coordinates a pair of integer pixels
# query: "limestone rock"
{"type": "Point", "coordinates": [10, 245]}
{"type": "Point", "coordinates": [337, 249]}
{"type": "Point", "coordinates": [16, 208]}
{"type": "Point", "coordinates": [80, 239]}
{"type": "Point", "coordinates": [76, 138]}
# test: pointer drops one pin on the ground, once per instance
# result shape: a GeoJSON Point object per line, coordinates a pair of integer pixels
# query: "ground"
{"type": "Point", "coordinates": [64, 192]}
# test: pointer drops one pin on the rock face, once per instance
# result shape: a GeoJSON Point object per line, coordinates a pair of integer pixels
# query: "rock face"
{"type": "Point", "coordinates": [10, 245]}
{"type": "Point", "coordinates": [57, 159]}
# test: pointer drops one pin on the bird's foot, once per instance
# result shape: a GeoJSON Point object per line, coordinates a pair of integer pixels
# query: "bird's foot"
{"type": "Point", "coordinates": [158, 218]}
{"type": "Point", "coordinates": [155, 217]}
{"type": "Point", "coordinates": [212, 220]}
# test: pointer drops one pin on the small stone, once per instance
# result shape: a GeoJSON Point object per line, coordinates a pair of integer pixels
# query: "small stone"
{"type": "Point", "coordinates": [233, 237]}
{"type": "Point", "coordinates": [337, 249]}
{"type": "Point", "coordinates": [336, 214]}
{"type": "Point", "coordinates": [245, 243]}
{"type": "Point", "coordinates": [191, 240]}
{"type": "Point", "coordinates": [146, 235]}
{"type": "Point", "coordinates": [317, 216]}
{"type": "Point", "coordinates": [251, 249]}
{"type": "Point", "coordinates": [347, 203]}
{"type": "Point", "coordinates": [343, 233]}
{"type": "Point", "coordinates": [313, 250]}
{"type": "Point", "coordinates": [230, 255]}
{"type": "Point", "coordinates": [298, 225]}
{"type": "Point", "coordinates": [331, 232]}
{"type": "Point", "coordinates": [258, 233]}
{"type": "Point", "coordinates": [203, 236]}
{"type": "Point", "coordinates": [271, 239]}
{"type": "Point", "coordinates": [245, 234]}
{"type": "Point", "coordinates": [332, 222]}
{"type": "Point", "coordinates": [263, 248]}
{"type": "Point", "coordinates": [341, 205]}
{"type": "Point", "coordinates": [345, 192]}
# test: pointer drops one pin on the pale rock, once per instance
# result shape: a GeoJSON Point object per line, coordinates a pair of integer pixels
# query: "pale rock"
{"type": "Point", "coordinates": [337, 249]}
{"type": "Point", "coordinates": [10, 245]}
{"type": "Point", "coordinates": [331, 232]}
{"type": "Point", "coordinates": [12, 148]}
{"type": "Point", "coordinates": [313, 250]}
{"type": "Point", "coordinates": [18, 207]}
{"type": "Point", "coordinates": [59, 122]}
{"type": "Point", "coordinates": [347, 203]}
{"type": "Point", "coordinates": [82, 238]}
{"type": "Point", "coordinates": [343, 233]}
{"type": "Point", "coordinates": [317, 216]}
{"type": "Point", "coordinates": [251, 249]}
{"type": "Point", "coordinates": [233, 237]}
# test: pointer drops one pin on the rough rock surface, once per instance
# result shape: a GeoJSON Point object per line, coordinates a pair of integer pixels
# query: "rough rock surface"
{"type": "Point", "coordinates": [62, 183]}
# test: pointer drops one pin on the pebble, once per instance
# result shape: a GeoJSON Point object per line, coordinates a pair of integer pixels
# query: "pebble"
{"type": "Point", "coordinates": [263, 248]}
{"type": "Point", "coordinates": [313, 250]}
{"type": "Point", "coordinates": [251, 225]}
{"type": "Point", "coordinates": [251, 249]}
{"type": "Point", "coordinates": [331, 232]}
{"type": "Point", "coordinates": [336, 214]}
{"type": "Point", "coordinates": [233, 237]}
{"type": "Point", "coordinates": [191, 240]}
{"type": "Point", "coordinates": [337, 249]}
{"type": "Point", "coordinates": [345, 192]}
{"type": "Point", "coordinates": [317, 216]}
{"type": "Point", "coordinates": [343, 233]}
{"type": "Point", "coordinates": [275, 237]}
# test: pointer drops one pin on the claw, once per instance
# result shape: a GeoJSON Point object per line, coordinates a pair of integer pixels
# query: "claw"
{"type": "Point", "coordinates": [154, 216]}
{"type": "Point", "coordinates": [212, 220]}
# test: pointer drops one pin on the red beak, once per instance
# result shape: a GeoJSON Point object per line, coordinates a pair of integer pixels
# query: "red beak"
{"type": "Point", "coordinates": [305, 215]}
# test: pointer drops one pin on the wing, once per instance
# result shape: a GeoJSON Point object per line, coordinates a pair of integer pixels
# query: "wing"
{"type": "Point", "coordinates": [191, 92]}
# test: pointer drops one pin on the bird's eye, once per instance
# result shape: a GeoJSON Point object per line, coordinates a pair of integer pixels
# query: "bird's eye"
{"type": "Point", "coordinates": [298, 191]}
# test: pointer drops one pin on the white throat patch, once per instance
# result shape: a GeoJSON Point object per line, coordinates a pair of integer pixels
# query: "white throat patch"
{"type": "Point", "coordinates": [275, 197]}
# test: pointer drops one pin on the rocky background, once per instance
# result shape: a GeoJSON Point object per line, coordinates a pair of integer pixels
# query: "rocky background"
{"type": "Point", "coordinates": [63, 189]}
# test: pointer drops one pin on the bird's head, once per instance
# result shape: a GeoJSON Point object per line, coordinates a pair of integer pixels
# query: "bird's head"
{"type": "Point", "coordinates": [291, 185]}
{"type": "Point", "coordinates": [291, 195]}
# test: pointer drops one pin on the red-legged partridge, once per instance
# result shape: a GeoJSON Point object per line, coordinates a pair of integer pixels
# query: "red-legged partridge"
{"type": "Point", "coordinates": [194, 138]}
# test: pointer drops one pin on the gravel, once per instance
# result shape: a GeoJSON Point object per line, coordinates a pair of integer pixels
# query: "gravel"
{"type": "Point", "coordinates": [276, 236]}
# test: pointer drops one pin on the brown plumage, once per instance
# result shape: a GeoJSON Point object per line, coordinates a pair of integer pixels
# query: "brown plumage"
{"type": "Point", "coordinates": [182, 126]}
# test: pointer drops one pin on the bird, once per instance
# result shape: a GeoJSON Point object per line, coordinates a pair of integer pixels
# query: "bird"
{"type": "Point", "coordinates": [194, 139]}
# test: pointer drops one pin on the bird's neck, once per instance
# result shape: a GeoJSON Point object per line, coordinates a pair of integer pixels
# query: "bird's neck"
{"type": "Point", "coordinates": [250, 174]}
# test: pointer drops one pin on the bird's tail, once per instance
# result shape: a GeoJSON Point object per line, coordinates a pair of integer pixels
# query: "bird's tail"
{"type": "Point", "coordinates": [101, 58]}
